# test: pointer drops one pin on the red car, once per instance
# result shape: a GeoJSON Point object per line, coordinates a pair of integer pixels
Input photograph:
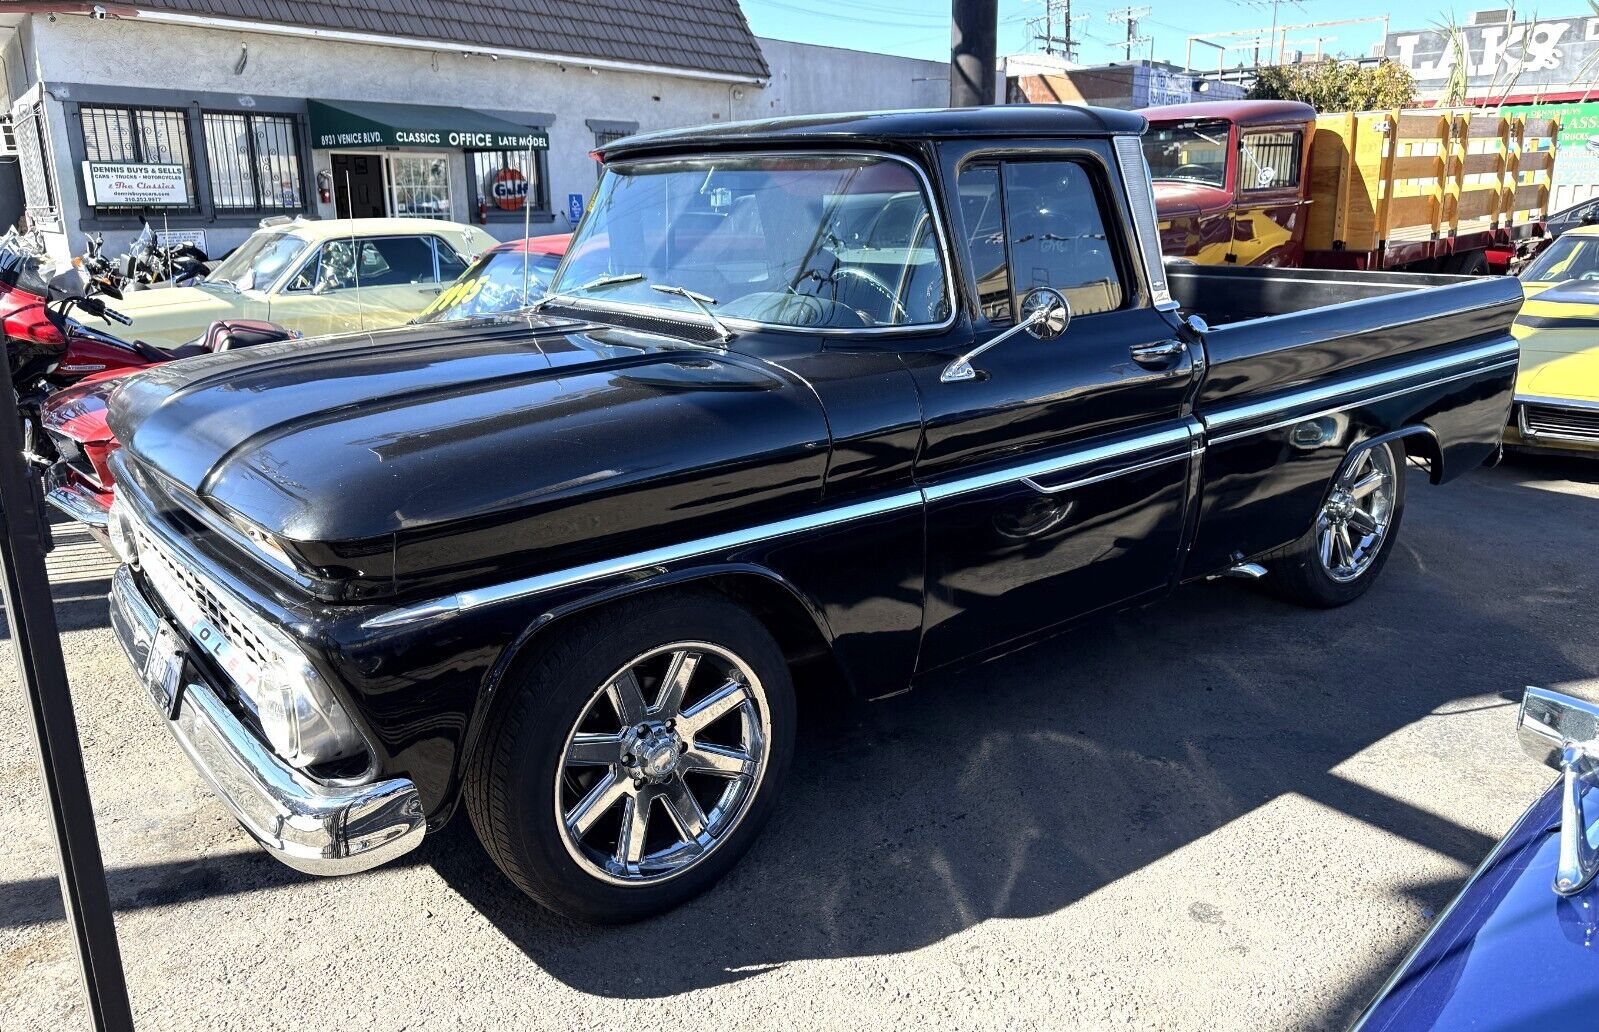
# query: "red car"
{"type": "Point", "coordinates": [80, 483]}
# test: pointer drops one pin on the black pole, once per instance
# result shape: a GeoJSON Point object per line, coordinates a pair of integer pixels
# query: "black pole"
{"type": "Point", "coordinates": [43, 675]}
{"type": "Point", "coordinates": [973, 52]}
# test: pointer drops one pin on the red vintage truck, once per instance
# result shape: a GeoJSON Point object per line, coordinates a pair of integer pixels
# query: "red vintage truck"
{"type": "Point", "coordinates": [1271, 182]}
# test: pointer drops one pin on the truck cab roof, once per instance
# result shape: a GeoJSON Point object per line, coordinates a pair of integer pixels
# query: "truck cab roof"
{"type": "Point", "coordinates": [1240, 112]}
{"type": "Point", "coordinates": [874, 127]}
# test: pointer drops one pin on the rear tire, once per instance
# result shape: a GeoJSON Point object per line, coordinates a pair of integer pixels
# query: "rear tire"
{"type": "Point", "coordinates": [1353, 534]}
{"type": "Point", "coordinates": [608, 797]}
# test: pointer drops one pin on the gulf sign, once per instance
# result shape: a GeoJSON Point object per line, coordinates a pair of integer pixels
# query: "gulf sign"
{"type": "Point", "coordinates": [508, 189]}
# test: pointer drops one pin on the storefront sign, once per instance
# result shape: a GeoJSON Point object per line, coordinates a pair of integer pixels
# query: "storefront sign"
{"type": "Point", "coordinates": [336, 124]}
{"type": "Point", "coordinates": [118, 185]}
{"type": "Point", "coordinates": [1167, 88]}
{"type": "Point", "coordinates": [509, 189]}
{"type": "Point", "coordinates": [1553, 52]}
{"type": "Point", "coordinates": [1576, 160]}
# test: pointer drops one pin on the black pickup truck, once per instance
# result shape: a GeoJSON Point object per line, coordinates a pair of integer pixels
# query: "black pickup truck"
{"type": "Point", "coordinates": [869, 395]}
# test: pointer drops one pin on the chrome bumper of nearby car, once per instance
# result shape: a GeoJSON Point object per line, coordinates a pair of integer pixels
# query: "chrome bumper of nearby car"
{"type": "Point", "coordinates": [311, 827]}
{"type": "Point", "coordinates": [73, 500]}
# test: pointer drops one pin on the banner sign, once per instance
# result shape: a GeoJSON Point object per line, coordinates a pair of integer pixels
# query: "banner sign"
{"type": "Point", "coordinates": [362, 124]}
{"type": "Point", "coordinates": [1551, 52]}
{"type": "Point", "coordinates": [119, 185]}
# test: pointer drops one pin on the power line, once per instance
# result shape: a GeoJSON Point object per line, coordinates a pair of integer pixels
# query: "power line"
{"type": "Point", "coordinates": [1043, 28]}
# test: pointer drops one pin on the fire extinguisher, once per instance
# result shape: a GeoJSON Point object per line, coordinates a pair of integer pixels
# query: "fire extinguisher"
{"type": "Point", "coordinates": [483, 212]}
{"type": "Point", "coordinates": [324, 187]}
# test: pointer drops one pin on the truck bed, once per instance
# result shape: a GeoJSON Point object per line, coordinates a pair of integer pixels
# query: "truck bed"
{"type": "Point", "coordinates": [1298, 360]}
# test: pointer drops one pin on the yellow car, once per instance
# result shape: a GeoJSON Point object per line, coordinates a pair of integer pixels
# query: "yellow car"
{"type": "Point", "coordinates": [1557, 384]}
{"type": "Point", "coordinates": [316, 277]}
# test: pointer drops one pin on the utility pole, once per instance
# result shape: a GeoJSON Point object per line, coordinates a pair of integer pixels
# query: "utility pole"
{"type": "Point", "coordinates": [1131, 16]}
{"type": "Point", "coordinates": [1043, 28]}
{"type": "Point", "coordinates": [973, 52]}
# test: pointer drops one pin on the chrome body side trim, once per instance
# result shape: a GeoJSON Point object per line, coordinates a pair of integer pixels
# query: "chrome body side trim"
{"type": "Point", "coordinates": [1032, 471]}
{"type": "Point", "coordinates": [522, 587]}
{"type": "Point", "coordinates": [1337, 397]}
{"type": "Point", "coordinates": [1072, 485]}
{"type": "Point", "coordinates": [311, 827]}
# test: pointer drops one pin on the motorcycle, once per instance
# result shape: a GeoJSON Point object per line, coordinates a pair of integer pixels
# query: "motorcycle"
{"type": "Point", "coordinates": [149, 264]}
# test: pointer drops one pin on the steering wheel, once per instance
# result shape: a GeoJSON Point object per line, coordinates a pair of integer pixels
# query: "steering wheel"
{"type": "Point", "coordinates": [871, 279]}
{"type": "Point", "coordinates": [1194, 172]}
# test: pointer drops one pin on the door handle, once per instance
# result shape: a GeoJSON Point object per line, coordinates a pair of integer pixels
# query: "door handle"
{"type": "Point", "coordinates": [1158, 354]}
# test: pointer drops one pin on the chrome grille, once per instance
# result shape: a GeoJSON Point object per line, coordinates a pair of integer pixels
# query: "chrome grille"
{"type": "Point", "coordinates": [1559, 421]}
{"type": "Point", "coordinates": [167, 573]}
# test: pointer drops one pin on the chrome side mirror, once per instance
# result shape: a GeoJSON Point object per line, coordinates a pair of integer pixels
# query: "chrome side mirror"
{"type": "Point", "coordinates": [1563, 733]}
{"type": "Point", "coordinates": [1045, 316]}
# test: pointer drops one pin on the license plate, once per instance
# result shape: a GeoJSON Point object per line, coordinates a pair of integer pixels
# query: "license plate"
{"type": "Point", "coordinates": [163, 669]}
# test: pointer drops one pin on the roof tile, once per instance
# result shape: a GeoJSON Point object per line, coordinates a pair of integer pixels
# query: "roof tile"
{"type": "Point", "coordinates": [704, 35]}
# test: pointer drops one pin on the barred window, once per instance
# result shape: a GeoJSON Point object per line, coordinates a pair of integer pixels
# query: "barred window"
{"type": "Point", "coordinates": [149, 136]}
{"type": "Point", "coordinates": [505, 181]}
{"type": "Point", "coordinates": [254, 161]}
{"type": "Point", "coordinates": [1270, 161]}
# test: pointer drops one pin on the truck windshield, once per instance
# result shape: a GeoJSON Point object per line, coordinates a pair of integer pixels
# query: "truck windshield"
{"type": "Point", "coordinates": [1572, 257]}
{"type": "Point", "coordinates": [801, 240]}
{"type": "Point", "coordinates": [1190, 152]}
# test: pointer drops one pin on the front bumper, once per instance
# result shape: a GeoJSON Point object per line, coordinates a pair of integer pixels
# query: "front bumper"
{"type": "Point", "coordinates": [311, 827]}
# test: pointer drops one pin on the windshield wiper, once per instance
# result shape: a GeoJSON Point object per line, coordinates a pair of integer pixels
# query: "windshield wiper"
{"type": "Point", "coordinates": [594, 284]}
{"type": "Point", "coordinates": [703, 303]}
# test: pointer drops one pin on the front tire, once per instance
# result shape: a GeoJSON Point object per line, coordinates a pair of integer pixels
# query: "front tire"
{"type": "Point", "coordinates": [1346, 548]}
{"type": "Point", "coordinates": [638, 758]}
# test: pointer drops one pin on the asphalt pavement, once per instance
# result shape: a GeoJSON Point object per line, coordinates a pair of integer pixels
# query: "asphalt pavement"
{"type": "Point", "coordinates": [1216, 813]}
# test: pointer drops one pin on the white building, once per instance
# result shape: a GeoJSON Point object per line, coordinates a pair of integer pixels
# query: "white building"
{"type": "Point", "coordinates": [206, 123]}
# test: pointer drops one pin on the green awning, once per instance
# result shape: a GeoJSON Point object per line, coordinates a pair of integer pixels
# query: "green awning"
{"type": "Point", "coordinates": [359, 123]}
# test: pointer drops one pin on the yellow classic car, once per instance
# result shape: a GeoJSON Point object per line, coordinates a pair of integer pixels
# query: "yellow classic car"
{"type": "Point", "coordinates": [316, 277]}
{"type": "Point", "coordinates": [1557, 384]}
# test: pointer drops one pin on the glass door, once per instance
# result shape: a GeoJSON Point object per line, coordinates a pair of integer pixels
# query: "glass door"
{"type": "Point", "coordinates": [419, 186]}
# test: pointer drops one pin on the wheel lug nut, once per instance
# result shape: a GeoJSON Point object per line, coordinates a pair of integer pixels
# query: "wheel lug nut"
{"type": "Point", "coordinates": [638, 782]}
{"type": "Point", "coordinates": [627, 758]}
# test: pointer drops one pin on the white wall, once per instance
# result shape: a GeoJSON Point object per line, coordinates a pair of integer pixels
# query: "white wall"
{"type": "Point", "coordinates": [125, 52]}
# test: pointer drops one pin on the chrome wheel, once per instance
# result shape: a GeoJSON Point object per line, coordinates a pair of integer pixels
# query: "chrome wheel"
{"type": "Point", "coordinates": [662, 763]}
{"type": "Point", "coordinates": [1354, 522]}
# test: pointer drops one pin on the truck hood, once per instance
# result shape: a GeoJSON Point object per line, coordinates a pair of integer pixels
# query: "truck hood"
{"type": "Point", "coordinates": [1173, 198]}
{"type": "Point", "coordinates": [478, 444]}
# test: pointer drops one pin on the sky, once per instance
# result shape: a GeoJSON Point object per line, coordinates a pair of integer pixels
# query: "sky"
{"type": "Point", "coordinates": [920, 28]}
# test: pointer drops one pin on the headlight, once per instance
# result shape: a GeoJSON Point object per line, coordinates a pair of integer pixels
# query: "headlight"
{"type": "Point", "coordinates": [302, 718]}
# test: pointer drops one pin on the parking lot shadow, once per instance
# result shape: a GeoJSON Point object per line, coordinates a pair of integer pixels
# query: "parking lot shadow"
{"type": "Point", "coordinates": [1016, 788]}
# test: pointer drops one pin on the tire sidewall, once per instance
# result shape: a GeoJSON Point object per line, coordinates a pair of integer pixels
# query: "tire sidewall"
{"type": "Point", "coordinates": [555, 701]}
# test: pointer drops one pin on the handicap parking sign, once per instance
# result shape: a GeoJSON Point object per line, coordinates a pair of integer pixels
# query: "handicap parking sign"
{"type": "Point", "coordinates": [574, 208]}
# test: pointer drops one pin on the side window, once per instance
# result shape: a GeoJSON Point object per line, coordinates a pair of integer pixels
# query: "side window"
{"type": "Point", "coordinates": [391, 261]}
{"type": "Point", "coordinates": [1056, 227]}
{"type": "Point", "coordinates": [1269, 161]}
{"type": "Point", "coordinates": [306, 278]}
{"type": "Point", "coordinates": [983, 222]}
